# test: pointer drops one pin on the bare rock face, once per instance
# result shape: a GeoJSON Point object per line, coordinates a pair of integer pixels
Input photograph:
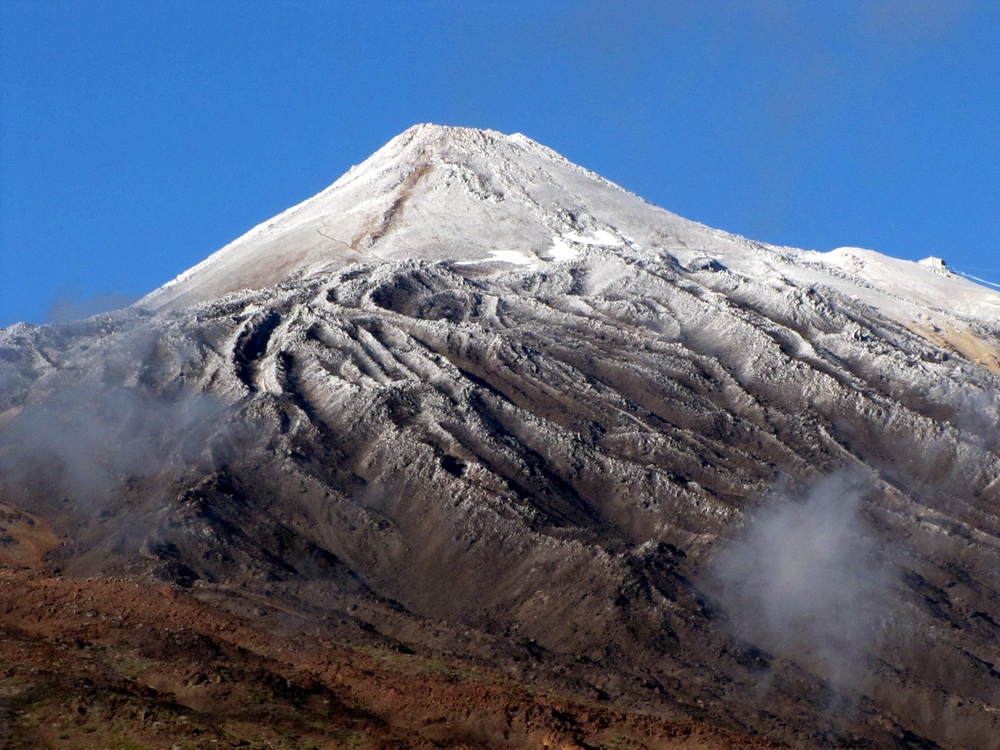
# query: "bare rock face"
{"type": "Point", "coordinates": [481, 401]}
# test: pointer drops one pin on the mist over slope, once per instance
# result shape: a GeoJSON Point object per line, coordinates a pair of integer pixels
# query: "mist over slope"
{"type": "Point", "coordinates": [476, 399]}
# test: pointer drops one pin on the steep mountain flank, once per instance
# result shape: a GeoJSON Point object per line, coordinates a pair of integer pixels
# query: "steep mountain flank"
{"type": "Point", "coordinates": [474, 400]}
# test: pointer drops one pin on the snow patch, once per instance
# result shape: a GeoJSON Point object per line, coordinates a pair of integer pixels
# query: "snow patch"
{"type": "Point", "coordinates": [562, 250]}
{"type": "Point", "coordinates": [601, 237]}
{"type": "Point", "coordinates": [503, 256]}
{"type": "Point", "coordinates": [565, 245]}
{"type": "Point", "coordinates": [511, 256]}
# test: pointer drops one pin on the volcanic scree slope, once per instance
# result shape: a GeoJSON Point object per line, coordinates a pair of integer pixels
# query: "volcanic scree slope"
{"type": "Point", "coordinates": [475, 402]}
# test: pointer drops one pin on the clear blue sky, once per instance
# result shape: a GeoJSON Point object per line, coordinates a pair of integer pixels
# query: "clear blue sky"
{"type": "Point", "coordinates": [137, 137]}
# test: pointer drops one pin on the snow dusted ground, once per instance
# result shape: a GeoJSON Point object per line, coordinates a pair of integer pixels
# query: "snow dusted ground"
{"type": "Point", "coordinates": [440, 193]}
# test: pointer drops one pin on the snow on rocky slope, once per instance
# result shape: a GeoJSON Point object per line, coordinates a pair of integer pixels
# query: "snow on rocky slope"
{"type": "Point", "coordinates": [440, 193]}
{"type": "Point", "coordinates": [478, 399]}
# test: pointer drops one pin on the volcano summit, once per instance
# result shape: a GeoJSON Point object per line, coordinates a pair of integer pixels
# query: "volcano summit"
{"type": "Point", "coordinates": [474, 403]}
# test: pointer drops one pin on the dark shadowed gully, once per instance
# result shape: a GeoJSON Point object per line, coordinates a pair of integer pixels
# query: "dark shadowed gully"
{"type": "Point", "coordinates": [528, 463]}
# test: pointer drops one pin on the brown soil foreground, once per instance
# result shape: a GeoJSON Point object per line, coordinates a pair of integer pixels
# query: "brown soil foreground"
{"type": "Point", "coordinates": [109, 663]}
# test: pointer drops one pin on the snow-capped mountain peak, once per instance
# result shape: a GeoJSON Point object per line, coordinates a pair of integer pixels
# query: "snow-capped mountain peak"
{"type": "Point", "coordinates": [478, 399]}
{"type": "Point", "coordinates": [433, 193]}
{"type": "Point", "coordinates": [478, 196]}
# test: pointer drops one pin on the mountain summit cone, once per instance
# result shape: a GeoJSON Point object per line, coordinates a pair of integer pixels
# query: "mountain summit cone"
{"type": "Point", "coordinates": [441, 193]}
{"type": "Point", "coordinates": [431, 193]}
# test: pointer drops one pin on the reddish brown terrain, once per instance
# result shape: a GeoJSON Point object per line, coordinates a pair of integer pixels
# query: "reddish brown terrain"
{"type": "Point", "coordinates": [111, 663]}
{"type": "Point", "coordinates": [24, 538]}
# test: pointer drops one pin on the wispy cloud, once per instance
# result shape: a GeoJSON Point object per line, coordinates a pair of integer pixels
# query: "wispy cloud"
{"type": "Point", "coordinates": [805, 581]}
{"type": "Point", "coordinates": [67, 308]}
